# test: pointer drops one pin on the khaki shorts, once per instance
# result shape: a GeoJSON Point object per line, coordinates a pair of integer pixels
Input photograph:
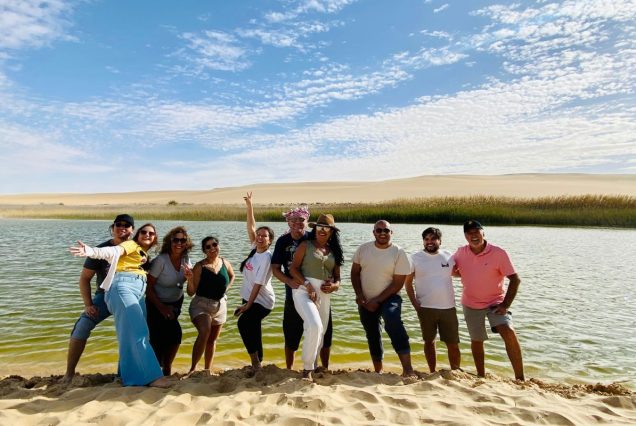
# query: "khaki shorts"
{"type": "Point", "coordinates": [215, 309]}
{"type": "Point", "coordinates": [476, 322]}
{"type": "Point", "coordinates": [444, 320]}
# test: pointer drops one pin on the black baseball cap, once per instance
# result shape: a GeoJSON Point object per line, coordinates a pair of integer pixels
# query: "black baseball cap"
{"type": "Point", "coordinates": [125, 218]}
{"type": "Point", "coordinates": [472, 224]}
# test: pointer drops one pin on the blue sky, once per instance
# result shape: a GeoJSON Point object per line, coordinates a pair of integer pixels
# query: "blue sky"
{"type": "Point", "coordinates": [118, 96]}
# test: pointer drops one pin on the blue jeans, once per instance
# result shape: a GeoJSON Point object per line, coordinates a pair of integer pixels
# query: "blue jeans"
{"type": "Point", "coordinates": [391, 312]}
{"type": "Point", "coordinates": [138, 364]}
{"type": "Point", "coordinates": [85, 324]}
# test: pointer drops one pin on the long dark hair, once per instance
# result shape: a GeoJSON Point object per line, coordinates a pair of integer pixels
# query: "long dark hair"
{"type": "Point", "coordinates": [334, 244]}
{"type": "Point", "coordinates": [270, 231]}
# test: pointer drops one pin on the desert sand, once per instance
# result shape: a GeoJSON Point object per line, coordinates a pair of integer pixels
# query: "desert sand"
{"type": "Point", "coordinates": [278, 396]}
{"type": "Point", "coordinates": [520, 185]}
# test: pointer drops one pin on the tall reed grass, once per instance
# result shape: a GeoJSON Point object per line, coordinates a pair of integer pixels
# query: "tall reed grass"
{"type": "Point", "coordinates": [586, 210]}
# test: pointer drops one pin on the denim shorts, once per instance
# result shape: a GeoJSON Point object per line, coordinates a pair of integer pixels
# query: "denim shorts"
{"type": "Point", "coordinates": [476, 322]}
{"type": "Point", "coordinates": [85, 324]}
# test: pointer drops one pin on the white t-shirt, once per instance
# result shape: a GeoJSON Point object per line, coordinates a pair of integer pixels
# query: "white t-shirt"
{"type": "Point", "coordinates": [258, 271]}
{"type": "Point", "coordinates": [378, 267]}
{"type": "Point", "coordinates": [433, 279]}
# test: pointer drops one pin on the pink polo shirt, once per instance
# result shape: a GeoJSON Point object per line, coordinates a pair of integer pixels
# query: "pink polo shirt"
{"type": "Point", "coordinates": [483, 275]}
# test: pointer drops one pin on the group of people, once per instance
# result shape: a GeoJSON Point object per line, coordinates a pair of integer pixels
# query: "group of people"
{"type": "Point", "coordinates": [146, 295]}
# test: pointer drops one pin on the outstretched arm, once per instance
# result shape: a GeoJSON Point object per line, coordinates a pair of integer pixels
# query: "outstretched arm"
{"type": "Point", "coordinates": [106, 253]}
{"type": "Point", "coordinates": [251, 222]}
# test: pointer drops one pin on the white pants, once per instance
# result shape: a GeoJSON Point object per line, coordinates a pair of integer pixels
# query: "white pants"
{"type": "Point", "coordinates": [315, 318]}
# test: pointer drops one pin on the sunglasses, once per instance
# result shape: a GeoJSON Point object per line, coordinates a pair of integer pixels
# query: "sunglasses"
{"type": "Point", "coordinates": [323, 228]}
{"type": "Point", "coordinates": [179, 240]}
{"type": "Point", "coordinates": [122, 225]}
{"type": "Point", "coordinates": [144, 232]}
{"type": "Point", "coordinates": [382, 230]}
{"type": "Point", "coordinates": [209, 246]}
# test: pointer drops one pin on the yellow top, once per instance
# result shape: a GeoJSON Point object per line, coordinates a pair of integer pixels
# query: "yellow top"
{"type": "Point", "coordinates": [134, 256]}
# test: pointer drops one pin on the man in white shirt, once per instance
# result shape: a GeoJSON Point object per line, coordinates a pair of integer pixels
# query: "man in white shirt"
{"type": "Point", "coordinates": [430, 289]}
{"type": "Point", "coordinates": [377, 275]}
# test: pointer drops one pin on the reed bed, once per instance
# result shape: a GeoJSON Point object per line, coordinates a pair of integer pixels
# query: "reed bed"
{"type": "Point", "coordinates": [586, 210]}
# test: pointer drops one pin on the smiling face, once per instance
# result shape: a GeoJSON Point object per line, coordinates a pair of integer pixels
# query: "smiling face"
{"type": "Point", "coordinates": [178, 243]}
{"type": "Point", "coordinates": [323, 233]}
{"type": "Point", "coordinates": [382, 233]}
{"type": "Point", "coordinates": [431, 243]}
{"type": "Point", "coordinates": [211, 248]}
{"type": "Point", "coordinates": [475, 239]}
{"type": "Point", "coordinates": [121, 231]}
{"type": "Point", "coordinates": [263, 239]}
{"type": "Point", "coordinates": [297, 226]}
{"type": "Point", "coordinates": [146, 236]}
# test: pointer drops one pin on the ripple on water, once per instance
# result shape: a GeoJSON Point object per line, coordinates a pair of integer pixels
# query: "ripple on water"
{"type": "Point", "coordinates": [572, 312]}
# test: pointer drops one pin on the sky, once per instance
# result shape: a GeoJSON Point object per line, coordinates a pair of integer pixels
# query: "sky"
{"type": "Point", "coordinates": [120, 96]}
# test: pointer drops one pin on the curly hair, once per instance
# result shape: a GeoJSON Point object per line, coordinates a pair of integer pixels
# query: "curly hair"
{"type": "Point", "coordinates": [166, 246]}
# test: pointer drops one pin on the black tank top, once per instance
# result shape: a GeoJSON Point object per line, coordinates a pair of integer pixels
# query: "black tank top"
{"type": "Point", "coordinates": [211, 285]}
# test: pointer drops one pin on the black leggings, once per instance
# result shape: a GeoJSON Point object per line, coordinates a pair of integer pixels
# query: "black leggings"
{"type": "Point", "coordinates": [249, 325]}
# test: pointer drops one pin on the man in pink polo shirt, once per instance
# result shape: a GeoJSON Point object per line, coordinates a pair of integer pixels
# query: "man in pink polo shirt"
{"type": "Point", "coordinates": [483, 268]}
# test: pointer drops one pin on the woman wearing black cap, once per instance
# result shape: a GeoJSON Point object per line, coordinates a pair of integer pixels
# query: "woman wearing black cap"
{"type": "Point", "coordinates": [125, 287]}
{"type": "Point", "coordinates": [316, 268]}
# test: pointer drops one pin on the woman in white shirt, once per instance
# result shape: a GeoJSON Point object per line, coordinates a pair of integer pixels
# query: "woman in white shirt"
{"type": "Point", "coordinates": [257, 291]}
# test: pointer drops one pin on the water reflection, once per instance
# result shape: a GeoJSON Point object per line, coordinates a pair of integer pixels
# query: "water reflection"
{"type": "Point", "coordinates": [573, 312]}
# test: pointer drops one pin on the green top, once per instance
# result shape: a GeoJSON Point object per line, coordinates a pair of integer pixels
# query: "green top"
{"type": "Point", "coordinates": [317, 265]}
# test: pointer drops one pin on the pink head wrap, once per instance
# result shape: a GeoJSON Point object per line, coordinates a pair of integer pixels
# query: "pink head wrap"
{"type": "Point", "coordinates": [300, 211]}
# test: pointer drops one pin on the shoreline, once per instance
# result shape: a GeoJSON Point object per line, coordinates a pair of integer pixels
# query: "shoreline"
{"type": "Point", "coordinates": [531, 185]}
{"type": "Point", "coordinates": [277, 396]}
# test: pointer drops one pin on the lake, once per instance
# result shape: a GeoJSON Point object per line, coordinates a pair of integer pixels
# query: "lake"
{"type": "Point", "coordinates": [573, 313]}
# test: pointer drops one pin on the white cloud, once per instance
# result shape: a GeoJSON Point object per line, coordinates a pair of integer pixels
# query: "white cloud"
{"type": "Point", "coordinates": [214, 50]}
{"type": "Point", "coordinates": [33, 23]}
{"type": "Point", "coordinates": [441, 8]}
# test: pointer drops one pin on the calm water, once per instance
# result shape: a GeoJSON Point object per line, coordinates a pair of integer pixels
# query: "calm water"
{"type": "Point", "coordinates": [574, 312]}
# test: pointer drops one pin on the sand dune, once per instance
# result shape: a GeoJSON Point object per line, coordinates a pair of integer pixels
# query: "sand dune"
{"type": "Point", "coordinates": [277, 396]}
{"type": "Point", "coordinates": [521, 185]}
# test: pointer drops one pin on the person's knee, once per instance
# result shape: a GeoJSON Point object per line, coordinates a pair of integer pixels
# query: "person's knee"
{"type": "Point", "coordinates": [83, 328]}
{"type": "Point", "coordinates": [506, 331]}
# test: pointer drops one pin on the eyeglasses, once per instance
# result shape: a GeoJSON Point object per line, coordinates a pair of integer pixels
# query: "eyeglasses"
{"type": "Point", "coordinates": [179, 240]}
{"type": "Point", "coordinates": [323, 228]}
{"type": "Point", "coordinates": [122, 224]}
{"type": "Point", "coordinates": [209, 246]}
{"type": "Point", "coordinates": [144, 232]}
{"type": "Point", "coordinates": [382, 230]}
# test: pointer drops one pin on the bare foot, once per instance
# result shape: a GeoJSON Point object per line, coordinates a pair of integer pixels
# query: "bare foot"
{"type": "Point", "coordinates": [307, 375]}
{"type": "Point", "coordinates": [68, 378]}
{"type": "Point", "coordinates": [161, 382]}
{"type": "Point", "coordinates": [409, 373]}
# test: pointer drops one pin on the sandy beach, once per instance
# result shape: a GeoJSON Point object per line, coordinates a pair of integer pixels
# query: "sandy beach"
{"type": "Point", "coordinates": [521, 185]}
{"type": "Point", "coordinates": [278, 396]}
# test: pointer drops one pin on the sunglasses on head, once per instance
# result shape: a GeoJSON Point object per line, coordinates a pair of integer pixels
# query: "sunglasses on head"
{"type": "Point", "coordinates": [209, 246]}
{"type": "Point", "coordinates": [122, 224]}
{"type": "Point", "coordinates": [144, 232]}
{"type": "Point", "coordinates": [382, 231]}
{"type": "Point", "coordinates": [179, 240]}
